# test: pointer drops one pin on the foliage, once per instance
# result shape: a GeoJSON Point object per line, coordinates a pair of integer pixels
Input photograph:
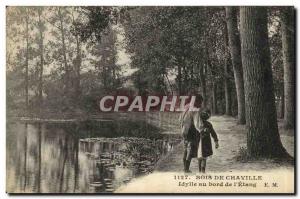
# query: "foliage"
{"type": "Point", "coordinates": [173, 50]}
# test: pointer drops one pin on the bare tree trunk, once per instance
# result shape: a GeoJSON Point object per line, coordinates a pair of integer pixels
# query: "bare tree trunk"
{"type": "Point", "coordinates": [214, 100]}
{"type": "Point", "coordinates": [179, 78]}
{"type": "Point", "coordinates": [203, 84]}
{"type": "Point", "coordinates": [263, 138]}
{"type": "Point", "coordinates": [234, 105]}
{"type": "Point", "coordinates": [214, 84]}
{"type": "Point", "coordinates": [27, 63]}
{"type": "Point", "coordinates": [41, 46]}
{"type": "Point", "coordinates": [227, 90]}
{"type": "Point", "coordinates": [78, 68]}
{"type": "Point", "coordinates": [281, 114]}
{"type": "Point", "coordinates": [185, 76]}
{"type": "Point", "coordinates": [77, 63]}
{"type": "Point", "coordinates": [227, 86]}
{"type": "Point", "coordinates": [288, 49]}
{"type": "Point", "coordinates": [235, 50]}
{"type": "Point", "coordinates": [191, 79]}
{"type": "Point", "coordinates": [64, 53]}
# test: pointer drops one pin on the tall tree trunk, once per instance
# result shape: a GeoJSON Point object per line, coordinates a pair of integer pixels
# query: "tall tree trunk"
{"type": "Point", "coordinates": [288, 49]}
{"type": "Point", "coordinates": [179, 78]}
{"type": "Point", "coordinates": [227, 86]}
{"type": "Point", "coordinates": [41, 46]}
{"type": "Point", "coordinates": [203, 85]}
{"type": "Point", "coordinates": [235, 50]}
{"type": "Point", "coordinates": [191, 79]}
{"type": "Point", "coordinates": [27, 63]}
{"type": "Point", "coordinates": [214, 99]}
{"type": "Point", "coordinates": [113, 72]}
{"type": "Point", "coordinates": [185, 76]}
{"type": "Point", "coordinates": [261, 121]}
{"type": "Point", "coordinates": [78, 68]}
{"type": "Point", "coordinates": [234, 105]}
{"type": "Point", "coordinates": [77, 63]}
{"type": "Point", "coordinates": [214, 83]}
{"type": "Point", "coordinates": [281, 113]}
{"type": "Point", "coordinates": [227, 90]}
{"type": "Point", "coordinates": [64, 53]}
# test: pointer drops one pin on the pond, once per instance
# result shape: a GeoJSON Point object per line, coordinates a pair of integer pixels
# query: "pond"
{"type": "Point", "coordinates": [79, 158]}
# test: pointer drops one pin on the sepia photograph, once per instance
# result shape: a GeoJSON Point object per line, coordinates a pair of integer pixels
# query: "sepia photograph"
{"type": "Point", "coordinates": [150, 99]}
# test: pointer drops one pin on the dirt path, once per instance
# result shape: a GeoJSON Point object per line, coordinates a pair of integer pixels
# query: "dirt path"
{"type": "Point", "coordinates": [231, 138]}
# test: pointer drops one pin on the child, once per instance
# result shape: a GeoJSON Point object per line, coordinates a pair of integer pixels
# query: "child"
{"type": "Point", "coordinates": [205, 146]}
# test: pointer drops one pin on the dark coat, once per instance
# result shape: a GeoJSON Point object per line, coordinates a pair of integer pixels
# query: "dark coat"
{"type": "Point", "coordinates": [206, 134]}
{"type": "Point", "coordinates": [193, 138]}
{"type": "Point", "coordinates": [191, 142]}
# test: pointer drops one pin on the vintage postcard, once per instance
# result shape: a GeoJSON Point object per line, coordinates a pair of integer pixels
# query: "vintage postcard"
{"type": "Point", "coordinates": [150, 99]}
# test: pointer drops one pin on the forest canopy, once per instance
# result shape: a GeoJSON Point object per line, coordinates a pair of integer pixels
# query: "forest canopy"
{"type": "Point", "coordinates": [62, 60]}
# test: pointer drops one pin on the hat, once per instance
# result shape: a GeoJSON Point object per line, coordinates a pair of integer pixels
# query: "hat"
{"type": "Point", "coordinates": [204, 115]}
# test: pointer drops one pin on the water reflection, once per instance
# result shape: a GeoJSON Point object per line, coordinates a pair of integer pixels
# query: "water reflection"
{"type": "Point", "coordinates": [50, 160]}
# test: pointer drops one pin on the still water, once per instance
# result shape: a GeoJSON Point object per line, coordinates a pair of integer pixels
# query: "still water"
{"type": "Point", "coordinates": [43, 159]}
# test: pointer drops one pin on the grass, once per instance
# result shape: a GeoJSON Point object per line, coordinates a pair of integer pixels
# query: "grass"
{"type": "Point", "coordinates": [242, 155]}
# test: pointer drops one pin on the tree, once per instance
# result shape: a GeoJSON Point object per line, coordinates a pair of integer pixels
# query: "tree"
{"type": "Point", "coordinates": [169, 41]}
{"type": "Point", "coordinates": [214, 48]}
{"type": "Point", "coordinates": [78, 59]}
{"type": "Point", "coordinates": [275, 41]}
{"type": "Point", "coordinates": [214, 103]}
{"type": "Point", "coordinates": [27, 60]}
{"type": "Point", "coordinates": [202, 75]}
{"type": "Point", "coordinates": [288, 51]}
{"type": "Point", "coordinates": [19, 51]}
{"type": "Point", "coordinates": [66, 58]}
{"type": "Point", "coordinates": [263, 138]}
{"type": "Point", "coordinates": [64, 50]}
{"type": "Point", "coordinates": [41, 28]}
{"type": "Point", "coordinates": [235, 50]}
{"type": "Point", "coordinates": [173, 50]}
{"type": "Point", "coordinates": [227, 85]}
{"type": "Point", "coordinates": [105, 53]}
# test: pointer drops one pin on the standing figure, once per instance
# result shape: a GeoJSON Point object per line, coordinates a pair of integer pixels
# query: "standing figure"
{"type": "Point", "coordinates": [205, 146]}
{"type": "Point", "coordinates": [190, 124]}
